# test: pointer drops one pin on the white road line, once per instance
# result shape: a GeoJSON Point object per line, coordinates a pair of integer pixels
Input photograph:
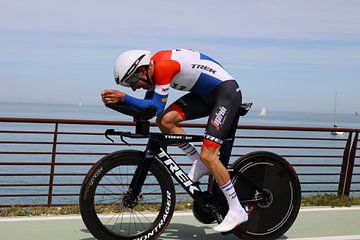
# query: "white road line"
{"type": "Point", "coordinates": [310, 209]}
{"type": "Point", "coordinates": [42, 218]}
{"type": "Point", "coordinates": [350, 237]}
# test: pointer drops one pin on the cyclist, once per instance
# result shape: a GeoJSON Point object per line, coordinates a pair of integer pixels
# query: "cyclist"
{"type": "Point", "coordinates": [212, 91]}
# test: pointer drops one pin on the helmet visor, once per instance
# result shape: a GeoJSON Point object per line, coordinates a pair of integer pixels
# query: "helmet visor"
{"type": "Point", "coordinates": [134, 78]}
{"type": "Point", "coordinates": [130, 80]}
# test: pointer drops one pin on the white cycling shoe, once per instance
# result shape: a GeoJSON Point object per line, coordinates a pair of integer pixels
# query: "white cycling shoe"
{"type": "Point", "coordinates": [232, 219]}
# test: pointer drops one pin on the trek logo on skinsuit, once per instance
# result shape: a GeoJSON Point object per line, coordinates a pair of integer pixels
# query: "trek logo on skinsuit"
{"type": "Point", "coordinates": [219, 118]}
{"type": "Point", "coordinates": [203, 67]}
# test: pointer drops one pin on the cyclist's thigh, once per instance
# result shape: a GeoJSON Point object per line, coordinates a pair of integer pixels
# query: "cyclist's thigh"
{"type": "Point", "coordinates": [190, 106]}
{"type": "Point", "coordinates": [227, 100]}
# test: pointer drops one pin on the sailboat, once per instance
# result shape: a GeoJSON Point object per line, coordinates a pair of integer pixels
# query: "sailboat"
{"type": "Point", "coordinates": [263, 112]}
{"type": "Point", "coordinates": [335, 133]}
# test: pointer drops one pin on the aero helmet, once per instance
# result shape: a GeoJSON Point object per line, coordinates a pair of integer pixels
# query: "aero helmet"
{"type": "Point", "coordinates": [127, 64]}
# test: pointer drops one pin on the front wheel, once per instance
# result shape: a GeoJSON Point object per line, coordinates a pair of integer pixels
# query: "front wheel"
{"type": "Point", "coordinates": [274, 175]}
{"type": "Point", "coordinates": [106, 208]}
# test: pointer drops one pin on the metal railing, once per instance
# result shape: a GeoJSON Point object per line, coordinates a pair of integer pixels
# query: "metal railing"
{"type": "Point", "coordinates": [43, 161]}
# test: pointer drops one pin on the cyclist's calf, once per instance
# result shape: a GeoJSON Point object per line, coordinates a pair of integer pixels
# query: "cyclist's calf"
{"type": "Point", "coordinates": [210, 158]}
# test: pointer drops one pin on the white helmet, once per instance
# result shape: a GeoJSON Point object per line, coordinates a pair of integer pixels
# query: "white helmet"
{"type": "Point", "coordinates": [127, 64]}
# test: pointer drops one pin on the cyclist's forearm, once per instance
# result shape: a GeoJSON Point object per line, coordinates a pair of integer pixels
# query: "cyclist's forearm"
{"type": "Point", "coordinates": [157, 102]}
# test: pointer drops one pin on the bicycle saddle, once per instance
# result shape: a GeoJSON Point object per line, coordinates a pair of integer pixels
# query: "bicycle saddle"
{"type": "Point", "coordinates": [138, 114]}
{"type": "Point", "coordinates": [244, 108]}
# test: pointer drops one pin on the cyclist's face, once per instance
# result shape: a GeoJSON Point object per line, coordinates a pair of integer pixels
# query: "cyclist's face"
{"type": "Point", "coordinates": [142, 82]}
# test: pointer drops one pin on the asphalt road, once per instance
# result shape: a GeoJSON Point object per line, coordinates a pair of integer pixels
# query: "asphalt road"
{"type": "Point", "coordinates": [312, 223]}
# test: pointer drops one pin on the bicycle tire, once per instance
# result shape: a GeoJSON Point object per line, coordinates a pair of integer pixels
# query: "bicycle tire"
{"type": "Point", "coordinates": [276, 176]}
{"type": "Point", "coordinates": [102, 205]}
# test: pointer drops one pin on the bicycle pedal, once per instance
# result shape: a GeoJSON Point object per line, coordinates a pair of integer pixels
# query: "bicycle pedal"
{"type": "Point", "coordinates": [249, 209]}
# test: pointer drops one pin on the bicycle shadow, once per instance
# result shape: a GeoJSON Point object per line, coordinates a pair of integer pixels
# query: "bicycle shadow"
{"type": "Point", "coordinates": [186, 232]}
{"type": "Point", "coordinates": [183, 231]}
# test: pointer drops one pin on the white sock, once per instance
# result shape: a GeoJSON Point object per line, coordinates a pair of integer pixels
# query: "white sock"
{"type": "Point", "coordinates": [231, 196]}
{"type": "Point", "coordinates": [190, 151]}
{"type": "Point", "coordinates": [198, 168]}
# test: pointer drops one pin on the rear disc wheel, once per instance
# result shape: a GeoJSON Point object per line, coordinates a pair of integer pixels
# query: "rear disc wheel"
{"type": "Point", "coordinates": [270, 172]}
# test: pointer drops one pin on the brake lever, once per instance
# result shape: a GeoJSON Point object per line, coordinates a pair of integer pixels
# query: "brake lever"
{"type": "Point", "coordinates": [110, 132]}
{"type": "Point", "coordinates": [122, 138]}
{"type": "Point", "coordinates": [122, 135]}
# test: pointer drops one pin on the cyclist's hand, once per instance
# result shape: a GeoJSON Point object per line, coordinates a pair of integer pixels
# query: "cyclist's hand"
{"type": "Point", "coordinates": [111, 96]}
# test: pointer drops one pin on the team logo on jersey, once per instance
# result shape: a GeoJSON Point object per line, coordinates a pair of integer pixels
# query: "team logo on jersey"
{"type": "Point", "coordinates": [176, 86]}
{"type": "Point", "coordinates": [203, 67]}
{"type": "Point", "coordinates": [219, 118]}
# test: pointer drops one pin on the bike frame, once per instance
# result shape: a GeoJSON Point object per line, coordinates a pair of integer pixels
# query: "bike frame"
{"type": "Point", "coordinates": [156, 150]}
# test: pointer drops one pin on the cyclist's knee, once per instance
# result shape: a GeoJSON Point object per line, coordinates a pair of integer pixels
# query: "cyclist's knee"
{"type": "Point", "coordinates": [209, 156]}
{"type": "Point", "coordinates": [206, 158]}
{"type": "Point", "coordinates": [167, 120]}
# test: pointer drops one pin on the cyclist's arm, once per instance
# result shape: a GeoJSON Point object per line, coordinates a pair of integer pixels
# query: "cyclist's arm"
{"type": "Point", "coordinates": [164, 72]}
{"type": "Point", "coordinates": [151, 99]}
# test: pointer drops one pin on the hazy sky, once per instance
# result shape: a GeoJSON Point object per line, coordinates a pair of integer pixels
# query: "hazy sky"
{"type": "Point", "coordinates": [287, 55]}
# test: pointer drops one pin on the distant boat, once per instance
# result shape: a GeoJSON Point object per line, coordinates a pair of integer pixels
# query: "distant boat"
{"type": "Point", "coordinates": [80, 104]}
{"type": "Point", "coordinates": [335, 133]}
{"type": "Point", "coordinates": [263, 112]}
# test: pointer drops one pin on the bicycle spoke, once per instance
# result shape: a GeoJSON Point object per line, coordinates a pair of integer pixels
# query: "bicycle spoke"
{"type": "Point", "coordinates": [145, 217]}
{"type": "Point", "coordinates": [141, 222]}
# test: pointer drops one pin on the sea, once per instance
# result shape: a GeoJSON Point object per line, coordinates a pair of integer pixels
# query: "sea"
{"type": "Point", "coordinates": [247, 141]}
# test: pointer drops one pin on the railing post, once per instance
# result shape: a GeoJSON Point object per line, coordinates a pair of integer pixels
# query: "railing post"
{"type": "Point", "coordinates": [52, 166]}
{"type": "Point", "coordinates": [344, 166]}
{"type": "Point", "coordinates": [351, 165]}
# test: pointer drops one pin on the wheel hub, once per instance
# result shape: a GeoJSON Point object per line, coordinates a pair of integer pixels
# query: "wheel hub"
{"type": "Point", "coordinates": [269, 198]}
{"type": "Point", "coordinates": [130, 202]}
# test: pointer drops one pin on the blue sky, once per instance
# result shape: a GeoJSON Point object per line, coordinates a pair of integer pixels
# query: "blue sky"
{"type": "Point", "coordinates": [287, 55]}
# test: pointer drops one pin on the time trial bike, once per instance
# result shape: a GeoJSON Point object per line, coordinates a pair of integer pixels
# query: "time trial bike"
{"type": "Point", "coordinates": [130, 194]}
